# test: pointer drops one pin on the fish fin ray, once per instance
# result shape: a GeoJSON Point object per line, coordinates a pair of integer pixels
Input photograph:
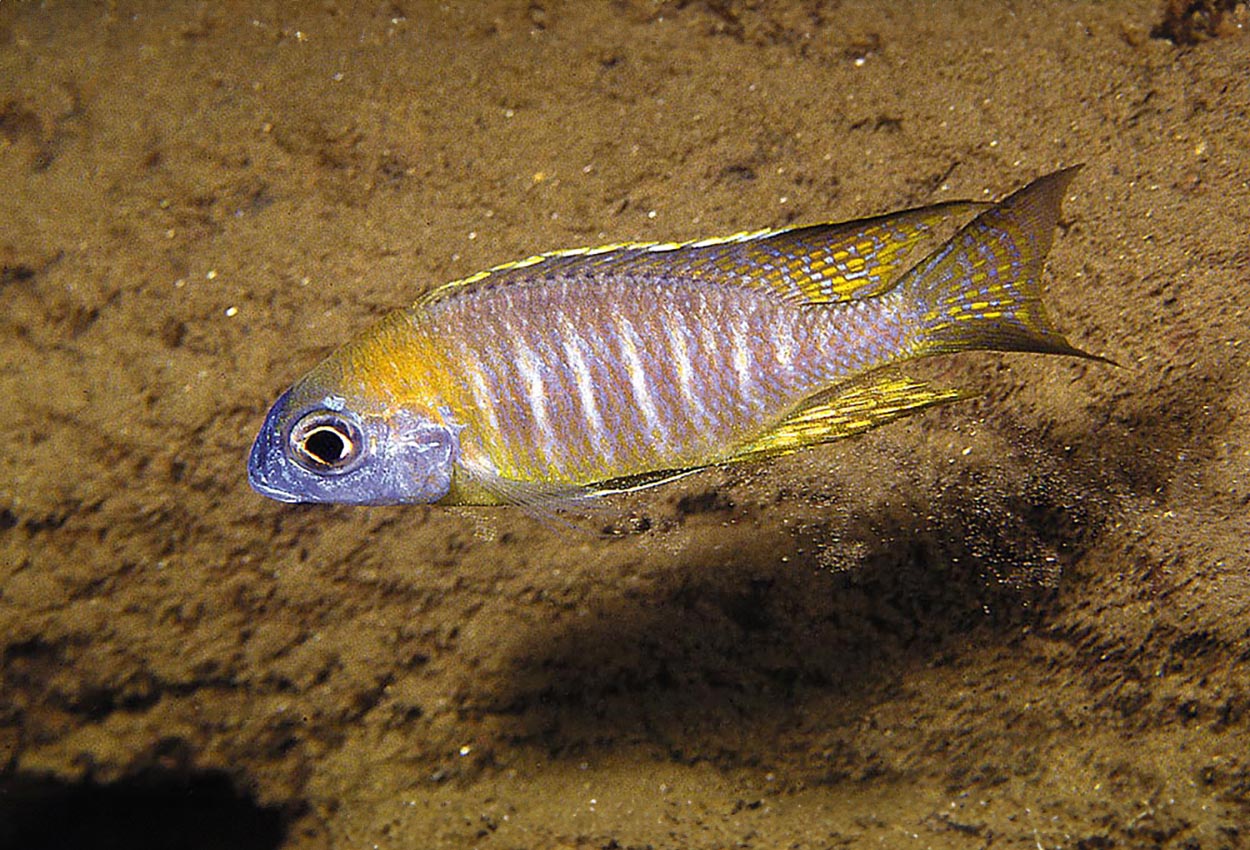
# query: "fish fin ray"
{"type": "Point", "coordinates": [645, 481]}
{"type": "Point", "coordinates": [982, 289]}
{"type": "Point", "coordinates": [830, 263]}
{"type": "Point", "coordinates": [480, 484]}
{"type": "Point", "coordinates": [819, 264]}
{"type": "Point", "coordinates": [847, 410]}
{"type": "Point", "coordinates": [551, 503]}
{"type": "Point", "coordinates": [555, 507]}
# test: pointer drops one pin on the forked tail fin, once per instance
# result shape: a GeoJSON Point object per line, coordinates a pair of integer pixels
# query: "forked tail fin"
{"type": "Point", "coordinates": [981, 290]}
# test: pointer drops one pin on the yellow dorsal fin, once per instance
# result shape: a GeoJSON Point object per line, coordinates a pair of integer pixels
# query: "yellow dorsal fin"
{"type": "Point", "coordinates": [817, 264]}
{"type": "Point", "coordinates": [846, 411]}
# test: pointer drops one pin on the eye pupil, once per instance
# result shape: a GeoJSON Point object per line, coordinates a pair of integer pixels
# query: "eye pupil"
{"type": "Point", "coordinates": [326, 445]}
{"type": "Point", "coordinates": [327, 442]}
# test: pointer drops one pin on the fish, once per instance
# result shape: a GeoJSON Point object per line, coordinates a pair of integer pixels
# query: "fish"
{"type": "Point", "coordinates": [575, 374]}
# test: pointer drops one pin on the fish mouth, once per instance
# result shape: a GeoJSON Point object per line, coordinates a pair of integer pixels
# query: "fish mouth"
{"type": "Point", "coordinates": [260, 486]}
{"type": "Point", "coordinates": [257, 477]}
{"type": "Point", "coordinates": [266, 458]}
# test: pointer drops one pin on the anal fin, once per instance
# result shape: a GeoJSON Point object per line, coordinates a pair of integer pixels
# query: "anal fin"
{"type": "Point", "coordinates": [846, 411]}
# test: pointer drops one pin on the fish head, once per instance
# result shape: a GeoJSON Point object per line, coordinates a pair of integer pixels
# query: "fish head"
{"type": "Point", "coordinates": [320, 447]}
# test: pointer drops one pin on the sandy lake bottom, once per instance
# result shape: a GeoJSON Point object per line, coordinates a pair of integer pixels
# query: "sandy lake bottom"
{"type": "Point", "coordinates": [1021, 621]}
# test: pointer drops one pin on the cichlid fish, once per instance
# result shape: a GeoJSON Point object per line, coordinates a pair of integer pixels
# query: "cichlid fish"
{"type": "Point", "coordinates": [578, 373]}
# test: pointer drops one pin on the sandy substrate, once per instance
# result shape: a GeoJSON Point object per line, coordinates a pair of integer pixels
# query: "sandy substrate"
{"type": "Point", "coordinates": [1021, 621]}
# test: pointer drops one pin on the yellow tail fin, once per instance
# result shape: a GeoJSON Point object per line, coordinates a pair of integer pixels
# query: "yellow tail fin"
{"type": "Point", "coordinates": [982, 289]}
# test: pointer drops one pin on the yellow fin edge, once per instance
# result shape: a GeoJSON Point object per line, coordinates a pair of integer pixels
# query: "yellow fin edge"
{"type": "Point", "coordinates": [848, 411]}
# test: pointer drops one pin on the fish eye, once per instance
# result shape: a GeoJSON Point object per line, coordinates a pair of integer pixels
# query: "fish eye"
{"type": "Point", "coordinates": [324, 441]}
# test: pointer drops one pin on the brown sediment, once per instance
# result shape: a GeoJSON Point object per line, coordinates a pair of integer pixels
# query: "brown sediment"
{"type": "Point", "coordinates": [1022, 619]}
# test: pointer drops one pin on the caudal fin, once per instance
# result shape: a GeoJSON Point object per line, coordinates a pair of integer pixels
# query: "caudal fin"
{"type": "Point", "coordinates": [981, 290]}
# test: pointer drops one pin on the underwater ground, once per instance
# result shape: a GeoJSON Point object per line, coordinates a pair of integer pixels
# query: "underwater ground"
{"type": "Point", "coordinates": [1022, 621]}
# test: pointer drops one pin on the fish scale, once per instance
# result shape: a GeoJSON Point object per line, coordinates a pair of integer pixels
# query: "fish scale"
{"type": "Point", "coordinates": [642, 383]}
{"type": "Point", "coordinates": [583, 372]}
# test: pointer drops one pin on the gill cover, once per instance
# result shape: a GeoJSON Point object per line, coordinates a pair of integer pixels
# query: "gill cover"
{"type": "Point", "coordinates": [327, 452]}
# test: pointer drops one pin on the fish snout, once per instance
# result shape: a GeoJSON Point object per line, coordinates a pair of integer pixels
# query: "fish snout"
{"type": "Point", "coordinates": [268, 467]}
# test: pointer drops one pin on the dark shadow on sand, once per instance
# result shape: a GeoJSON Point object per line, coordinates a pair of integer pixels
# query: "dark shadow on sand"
{"type": "Point", "coordinates": [719, 662]}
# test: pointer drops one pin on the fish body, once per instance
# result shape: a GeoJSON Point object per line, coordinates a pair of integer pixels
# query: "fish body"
{"type": "Point", "coordinates": [582, 372]}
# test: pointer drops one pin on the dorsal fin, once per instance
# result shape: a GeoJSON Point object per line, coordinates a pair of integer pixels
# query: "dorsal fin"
{"type": "Point", "coordinates": [814, 264]}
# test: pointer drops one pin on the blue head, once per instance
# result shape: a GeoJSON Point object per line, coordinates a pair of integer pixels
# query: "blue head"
{"type": "Point", "coordinates": [320, 449]}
